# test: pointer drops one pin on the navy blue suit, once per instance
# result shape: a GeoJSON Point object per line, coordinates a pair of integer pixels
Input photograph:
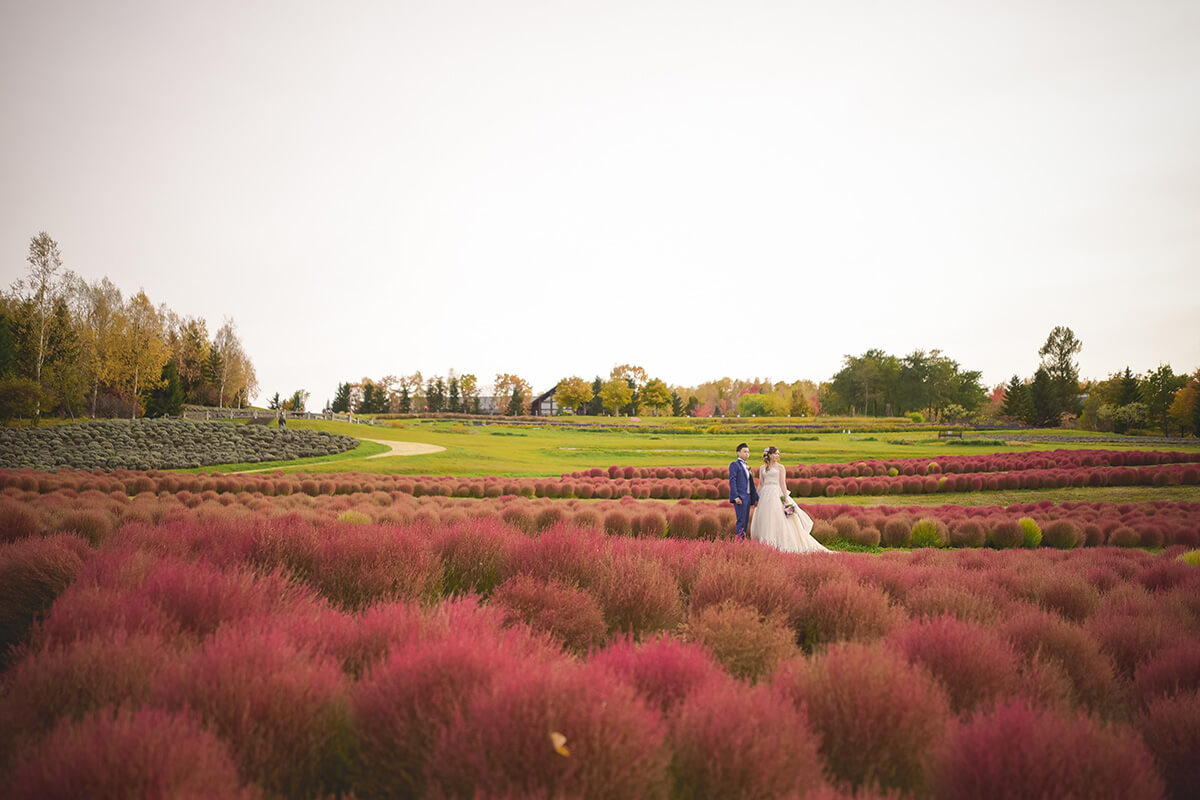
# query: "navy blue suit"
{"type": "Point", "coordinates": [741, 485]}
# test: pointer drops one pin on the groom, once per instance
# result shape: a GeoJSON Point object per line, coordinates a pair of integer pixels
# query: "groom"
{"type": "Point", "coordinates": [741, 489]}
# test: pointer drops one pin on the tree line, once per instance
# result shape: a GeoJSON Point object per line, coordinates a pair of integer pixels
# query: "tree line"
{"type": "Point", "coordinates": [72, 348]}
{"type": "Point", "coordinates": [1157, 399]}
{"type": "Point", "coordinates": [925, 385]}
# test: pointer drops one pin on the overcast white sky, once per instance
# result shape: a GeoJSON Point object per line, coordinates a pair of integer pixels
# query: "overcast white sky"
{"type": "Point", "coordinates": [553, 188]}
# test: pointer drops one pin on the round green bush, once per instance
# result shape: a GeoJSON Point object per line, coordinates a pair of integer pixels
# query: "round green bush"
{"type": "Point", "coordinates": [1030, 532]}
{"type": "Point", "coordinates": [930, 532]}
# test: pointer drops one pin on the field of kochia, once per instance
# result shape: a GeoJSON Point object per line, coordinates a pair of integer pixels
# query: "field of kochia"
{"type": "Point", "coordinates": [278, 636]}
{"type": "Point", "coordinates": [1023, 623]}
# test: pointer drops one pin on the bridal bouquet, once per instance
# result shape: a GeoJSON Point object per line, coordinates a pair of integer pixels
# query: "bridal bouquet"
{"type": "Point", "coordinates": [789, 508]}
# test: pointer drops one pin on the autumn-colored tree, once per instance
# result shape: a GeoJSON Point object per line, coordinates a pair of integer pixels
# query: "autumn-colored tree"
{"type": "Point", "coordinates": [99, 305]}
{"type": "Point", "coordinates": [468, 387]}
{"type": "Point", "coordinates": [616, 393]}
{"type": "Point", "coordinates": [141, 348]}
{"type": "Point", "coordinates": [504, 386]}
{"type": "Point", "coordinates": [573, 392]}
{"type": "Point", "coordinates": [656, 395]}
{"type": "Point", "coordinates": [1185, 407]}
{"type": "Point", "coordinates": [630, 372]}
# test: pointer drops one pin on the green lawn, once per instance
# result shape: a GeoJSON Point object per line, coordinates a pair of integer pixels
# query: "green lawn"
{"type": "Point", "coordinates": [510, 450]}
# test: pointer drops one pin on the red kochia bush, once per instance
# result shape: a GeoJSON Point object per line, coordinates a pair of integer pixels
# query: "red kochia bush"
{"type": "Point", "coordinates": [1172, 671]}
{"type": "Point", "coordinates": [17, 521]}
{"type": "Point", "coordinates": [897, 532]}
{"type": "Point", "coordinates": [1128, 640]}
{"type": "Point", "coordinates": [360, 564]}
{"type": "Point", "coordinates": [284, 711]}
{"type": "Point", "coordinates": [682, 524]}
{"type": "Point", "coordinates": [730, 740]}
{"type": "Point", "coordinates": [92, 524]}
{"type": "Point", "coordinates": [880, 719]}
{"type": "Point", "coordinates": [842, 610]}
{"type": "Point", "coordinates": [755, 578]}
{"type": "Point", "coordinates": [973, 664]}
{"type": "Point", "coordinates": [663, 670]}
{"type": "Point", "coordinates": [1017, 752]}
{"type": "Point", "coordinates": [1040, 635]}
{"type": "Point", "coordinates": [474, 555]}
{"type": "Point", "coordinates": [77, 678]}
{"type": "Point", "coordinates": [747, 644]}
{"type": "Point", "coordinates": [501, 746]}
{"type": "Point", "coordinates": [1170, 727]}
{"type": "Point", "coordinates": [567, 613]}
{"type": "Point", "coordinates": [420, 688]}
{"type": "Point", "coordinates": [33, 572]}
{"type": "Point", "coordinates": [1006, 533]}
{"type": "Point", "coordinates": [1063, 534]}
{"type": "Point", "coordinates": [639, 595]}
{"type": "Point", "coordinates": [149, 753]}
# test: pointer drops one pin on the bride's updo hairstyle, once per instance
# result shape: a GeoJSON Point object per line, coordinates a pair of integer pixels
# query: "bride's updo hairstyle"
{"type": "Point", "coordinates": [768, 453]}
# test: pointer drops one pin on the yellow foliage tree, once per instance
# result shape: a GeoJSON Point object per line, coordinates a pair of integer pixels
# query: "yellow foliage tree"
{"type": "Point", "coordinates": [616, 393]}
{"type": "Point", "coordinates": [656, 395]}
{"type": "Point", "coordinates": [141, 348]}
{"type": "Point", "coordinates": [573, 392]}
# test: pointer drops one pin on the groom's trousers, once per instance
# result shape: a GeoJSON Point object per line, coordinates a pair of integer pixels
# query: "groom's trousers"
{"type": "Point", "coordinates": [743, 517]}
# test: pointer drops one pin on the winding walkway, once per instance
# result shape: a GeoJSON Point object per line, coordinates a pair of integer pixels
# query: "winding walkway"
{"type": "Point", "coordinates": [394, 449]}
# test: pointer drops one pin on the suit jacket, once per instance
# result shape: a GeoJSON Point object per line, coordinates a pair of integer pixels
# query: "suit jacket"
{"type": "Point", "coordinates": [741, 484]}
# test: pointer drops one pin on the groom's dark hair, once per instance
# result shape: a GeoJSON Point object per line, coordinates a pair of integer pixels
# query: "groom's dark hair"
{"type": "Point", "coordinates": [740, 446]}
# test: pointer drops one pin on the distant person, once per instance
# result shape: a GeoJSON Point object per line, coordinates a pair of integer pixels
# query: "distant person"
{"type": "Point", "coordinates": [283, 419]}
{"type": "Point", "coordinates": [741, 489]}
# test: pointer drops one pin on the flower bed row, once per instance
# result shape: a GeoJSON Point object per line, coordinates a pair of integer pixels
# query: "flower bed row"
{"type": "Point", "coordinates": [594, 488]}
{"type": "Point", "coordinates": [160, 444]}
{"type": "Point", "coordinates": [996, 462]}
{"type": "Point", "coordinates": [274, 655]}
{"type": "Point", "coordinates": [96, 514]}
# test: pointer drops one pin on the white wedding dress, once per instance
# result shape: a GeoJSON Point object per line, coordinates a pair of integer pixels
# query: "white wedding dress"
{"type": "Point", "coordinates": [769, 525]}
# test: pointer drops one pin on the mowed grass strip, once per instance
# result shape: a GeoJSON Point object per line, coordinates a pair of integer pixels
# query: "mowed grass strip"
{"type": "Point", "coordinates": [531, 451]}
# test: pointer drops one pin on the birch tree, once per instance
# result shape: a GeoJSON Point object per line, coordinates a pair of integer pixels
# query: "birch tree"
{"type": "Point", "coordinates": [46, 284]}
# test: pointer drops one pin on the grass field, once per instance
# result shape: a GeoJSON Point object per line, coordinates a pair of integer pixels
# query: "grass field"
{"type": "Point", "coordinates": [532, 451]}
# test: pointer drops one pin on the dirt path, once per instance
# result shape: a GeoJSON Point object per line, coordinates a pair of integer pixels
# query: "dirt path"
{"type": "Point", "coordinates": [394, 449]}
{"type": "Point", "coordinates": [404, 448]}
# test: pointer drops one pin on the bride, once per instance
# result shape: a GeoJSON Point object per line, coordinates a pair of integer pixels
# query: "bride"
{"type": "Point", "coordinates": [778, 521]}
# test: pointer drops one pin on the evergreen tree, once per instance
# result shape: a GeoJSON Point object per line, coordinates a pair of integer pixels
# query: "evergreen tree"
{"type": "Point", "coordinates": [275, 402]}
{"type": "Point", "coordinates": [1158, 390]}
{"type": "Point", "coordinates": [454, 403]}
{"type": "Point", "coordinates": [405, 401]}
{"type": "Point", "coordinates": [1196, 418]}
{"type": "Point", "coordinates": [435, 395]}
{"type": "Point", "coordinates": [516, 404]}
{"type": "Point", "coordinates": [1058, 355]}
{"type": "Point", "coordinates": [167, 399]}
{"type": "Point", "coordinates": [1016, 400]}
{"type": "Point", "coordinates": [635, 399]}
{"type": "Point", "coordinates": [341, 400]}
{"type": "Point", "coordinates": [596, 406]}
{"type": "Point", "coordinates": [8, 347]}
{"type": "Point", "coordinates": [367, 404]}
{"type": "Point", "coordinates": [1042, 402]}
{"type": "Point", "coordinates": [676, 404]}
{"type": "Point", "coordinates": [1128, 388]}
